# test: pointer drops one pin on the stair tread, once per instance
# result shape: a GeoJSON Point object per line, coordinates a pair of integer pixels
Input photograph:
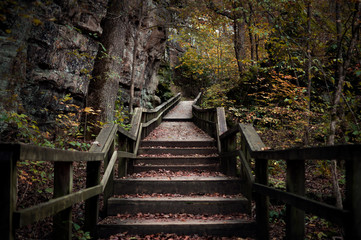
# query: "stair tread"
{"type": "Point", "coordinates": [175, 221]}
{"type": "Point", "coordinates": [181, 178]}
{"type": "Point", "coordinates": [177, 165]}
{"type": "Point", "coordinates": [179, 199]}
{"type": "Point", "coordinates": [152, 156]}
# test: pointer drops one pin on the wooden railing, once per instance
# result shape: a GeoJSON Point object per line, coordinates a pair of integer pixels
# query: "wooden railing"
{"type": "Point", "coordinates": [113, 143]}
{"type": "Point", "coordinates": [212, 120]}
{"type": "Point", "coordinates": [255, 186]}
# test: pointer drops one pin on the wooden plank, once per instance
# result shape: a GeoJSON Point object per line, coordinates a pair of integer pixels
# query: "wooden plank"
{"type": "Point", "coordinates": [108, 187]}
{"type": "Point", "coordinates": [154, 113]}
{"type": "Point", "coordinates": [323, 210]}
{"type": "Point", "coordinates": [109, 170]}
{"type": "Point", "coordinates": [198, 99]}
{"type": "Point", "coordinates": [250, 179]}
{"type": "Point", "coordinates": [253, 140]}
{"type": "Point", "coordinates": [229, 132]}
{"type": "Point", "coordinates": [63, 185]}
{"type": "Point", "coordinates": [8, 178]}
{"type": "Point", "coordinates": [92, 204]}
{"type": "Point", "coordinates": [136, 147]}
{"type": "Point", "coordinates": [341, 152]}
{"type": "Point", "coordinates": [295, 183]}
{"type": "Point", "coordinates": [247, 166]}
{"type": "Point", "coordinates": [262, 201]}
{"type": "Point", "coordinates": [221, 120]}
{"type": "Point", "coordinates": [136, 120]}
{"type": "Point", "coordinates": [104, 138]}
{"type": "Point", "coordinates": [125, 134]}
{"type": "Point", "coordinates": [37, 153]}
{"type": "Point", "coordinates": [353, 198]}
{"type": "Point", "coordinates": [122, 154]}
{"type": "Point", "coordinates": [53, 206]}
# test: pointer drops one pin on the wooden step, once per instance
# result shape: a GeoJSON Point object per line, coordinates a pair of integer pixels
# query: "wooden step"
{"type": "Point", "coordinates": [178, 185]}
{"type": "Point", "coordinates": [184, 204]}
{"type": "Point", "coordinates": [167, 167]}
{"type": "Point", "coordinates": [176, 160]}
{"type": "Point", "coordinates": [226, 228]}
{"type": "Point", "coordinates": [177, 119]}
{"type": "Point", "coordinates": [205, 143]}
{"type": "Point", "coordinates": [177, 151]}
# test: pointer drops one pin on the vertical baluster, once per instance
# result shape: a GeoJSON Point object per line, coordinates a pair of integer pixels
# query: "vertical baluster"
{"type": "Point", "coordinates": [262, 201]}
{"type": "Point", "coordinates": [108, 191]}
{"type": "Point", "coordinates": [63, 185]}
{"type": "Point", "coordinates": [8, 177]}
{"type": "Point", "coordinates": [92, 204]}
{"type": "Point", "coordinates": [229, 163]}
{"type": "Point", "coordinates": [295, 183]}
{"type": "Point", "coordinates": [353, 197]}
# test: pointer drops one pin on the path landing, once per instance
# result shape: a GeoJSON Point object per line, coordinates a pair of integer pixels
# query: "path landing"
{"type": "Point", "coordinates": [177, 126]}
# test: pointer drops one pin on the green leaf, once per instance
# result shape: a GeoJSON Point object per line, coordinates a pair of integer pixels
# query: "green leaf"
{"type": "Point", "coordinates": [358, 73]}
{"type": "Point", "coordinates": [76, 226]}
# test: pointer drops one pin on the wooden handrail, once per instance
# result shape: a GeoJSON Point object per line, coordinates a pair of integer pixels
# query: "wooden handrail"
{"type": "Point", "coordinates": [37, 153]}
{"type": "Point", "coordinates": [340, 152]}
{"type": "Point", "coordinates": [103, 149]}
{"type": "Point", "coordinates": [253, 149]}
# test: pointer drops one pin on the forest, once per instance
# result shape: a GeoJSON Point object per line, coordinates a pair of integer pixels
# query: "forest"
{"type": "Point", "coordinates": [291, 68]}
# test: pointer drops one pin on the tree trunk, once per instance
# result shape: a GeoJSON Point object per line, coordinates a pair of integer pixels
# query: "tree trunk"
{"type": "Point", "coordinates": [103, 88]}
{"type": "Point", "coordinates": [140, 18]}
{"type": "Point", "coordinates": [308, 73]}
{"type": "Point", "coordinates": [239, 32]}
{"type": "Point", "coordinates": [342, 64]}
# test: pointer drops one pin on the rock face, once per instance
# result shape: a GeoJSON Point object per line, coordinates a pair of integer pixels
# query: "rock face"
{"type": "Point", "coordinates": [48, 50]}
{"type": "Point", "coordinates": [133, 46]}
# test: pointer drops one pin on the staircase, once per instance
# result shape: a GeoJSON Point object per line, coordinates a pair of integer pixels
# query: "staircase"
{"type": "Point", "coordinates": [175, 186]}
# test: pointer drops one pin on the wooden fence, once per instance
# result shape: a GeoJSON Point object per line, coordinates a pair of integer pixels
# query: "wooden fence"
{"type": "Point", "coordinates": [112, 144]}
{"type": "Point", "coordinates": [255, 186]}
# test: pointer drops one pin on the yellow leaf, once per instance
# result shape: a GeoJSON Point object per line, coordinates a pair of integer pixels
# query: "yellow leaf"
{"type": "Point", "coordinates": [88, 110]}
{"type": "Point", "coordinates": [8, 31]}
{"type": "Point", "coordinates": [37, 22]}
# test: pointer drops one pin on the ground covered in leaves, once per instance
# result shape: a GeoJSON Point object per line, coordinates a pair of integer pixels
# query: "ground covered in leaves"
{"type": "Point", "coordinates": [163, 236]}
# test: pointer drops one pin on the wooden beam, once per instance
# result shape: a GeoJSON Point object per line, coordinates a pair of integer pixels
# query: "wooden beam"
{"type": "Point", "coordinates": [109, 170]}
{"type": "Point", "coordinates": [92, 204]}
{"type": "Point", "coordinates": [63, 185]}
{"type": "Point", "coordinates": [323, 210]}
{"type": "Point", "coordinates": [122, 154]}
{"type": "Point", "coordinates": [262, 201]}
{"type": "Point", "coordinates": [136, 120]}
{"type": "Point", "coordinates": [253, 140]}
{"type": "Point", "coordinates": [221, 120]}
{"type": "Point", "coordinates": [353, 198]}
{"type": "Point", "coordinates": [53, 206]}
{"type": "Point", "coordinates": [126, 134]}
{"type": "Point", "coordinates": [295, 183]}
{"type": "Point", "coordinates": [8, 179]}
{"type": "Point", "coordinates": [37, 153]}
{"type": "Point", "coordinates": [341, 152]}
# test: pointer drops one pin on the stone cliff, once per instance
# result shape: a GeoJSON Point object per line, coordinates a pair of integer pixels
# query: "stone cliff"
{"type": "Point", "coordinates": [48, 49]}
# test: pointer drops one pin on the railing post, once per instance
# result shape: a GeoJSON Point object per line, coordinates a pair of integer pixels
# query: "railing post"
{"type": "Point", "coordinates": [295, 183]}
{"type": "Point", "coordinates": [63, 184]}
{"type": "Point", "coordinates": [353, 198]}
{"type": "Point", "coordinates": [123, 145]}
{"type": "Point", "coordinates": [108, 191]}
{"type": "Point", "coordinates": [92, 204]}
{"type": "Point", "coordinates": [262, 201]}
{"type": "Point", "coordinates": [8, 178]}
{"type": "Point", "coordinates": [229, 164]}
